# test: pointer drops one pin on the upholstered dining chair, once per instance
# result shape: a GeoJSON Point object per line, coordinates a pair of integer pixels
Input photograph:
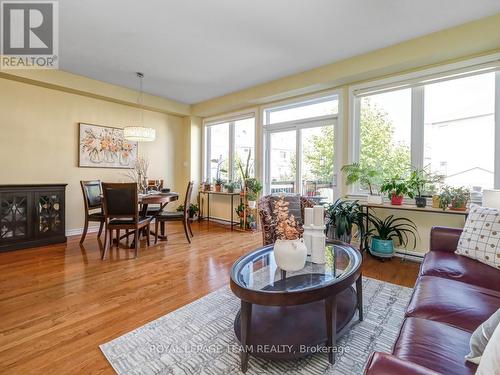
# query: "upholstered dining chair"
{"type": "Point", "coordinates": [92, 200]}
{"type": "Point", "coordinates": [268, 219]}
{"type": "Point", "coordinates": [121, 211]}
{"type": "Point", "coordinates": [165, 216]}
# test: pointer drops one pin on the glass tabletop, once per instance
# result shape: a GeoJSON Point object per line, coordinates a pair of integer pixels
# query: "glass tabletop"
{"type": "Point", "coordinates": [258, 270]}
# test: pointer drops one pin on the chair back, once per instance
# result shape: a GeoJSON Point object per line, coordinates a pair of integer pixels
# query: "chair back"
{"type": "Point", "coordinates": [92, 194]}
{"type": "Point", "coordinates": [120, 200]}
{"type": "Point", "coordinates": [187, 199]}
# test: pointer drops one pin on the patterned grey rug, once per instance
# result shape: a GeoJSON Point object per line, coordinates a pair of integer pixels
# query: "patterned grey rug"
{"type": "Point", "coordinates": [199, 338]}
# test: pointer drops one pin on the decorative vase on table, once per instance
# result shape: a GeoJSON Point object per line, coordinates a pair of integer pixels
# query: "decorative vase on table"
{"type": "Point", "coordinates": [290, 255]}
{"type": "Point", "coordinates": [374, 199]}
{"type": "Point", "coordinates": [290, 252]}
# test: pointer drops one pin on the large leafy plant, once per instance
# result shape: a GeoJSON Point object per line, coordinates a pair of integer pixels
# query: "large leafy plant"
{"type": "Point", "coordinates": [391, 228]}
{"type": "Point", "coordinates": [367, 177]}
{"type": "Point", "coordinates": [457, 197]}
{"type": "Point", "coordinates": [397, 186]}
{"type": "Point", "coordinates": [341, 215]}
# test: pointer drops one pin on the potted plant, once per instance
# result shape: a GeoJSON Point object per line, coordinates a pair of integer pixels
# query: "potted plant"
{"type": "Point", "coordinates": [340, 217]}
{"type": "Point", "coordinates": [253, 188]}
{"type": "Point", "coordinates": [454, 198]}
{"type": "Point", "coordinates": [417, 182]}
{"type": "Point", "coordinates": [231, 186]}
{"type": "Point", "coordinates": [192, 210]}
{"type": "Point", "coordinates": [207, 186]}
{"type": "Point", "coordinates": [290, 252]}
{"type": "Point", "coordinates": [396, 189]}
{"type": "Point", "coordinates": [385, 231]}
{"type": "Point", "coordinates": [219, 182]}
{"type": "Point", "coordinates": [366, 177]}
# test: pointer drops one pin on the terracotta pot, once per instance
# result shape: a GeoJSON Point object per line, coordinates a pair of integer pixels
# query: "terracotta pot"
{"type": "Point", "coordinates": [396, 200]}
{"type": "Point", "coordinates": [218, 188]}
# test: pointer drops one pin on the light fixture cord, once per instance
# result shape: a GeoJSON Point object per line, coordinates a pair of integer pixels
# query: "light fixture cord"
{"type": "Point", "coordinates": [141, 104]}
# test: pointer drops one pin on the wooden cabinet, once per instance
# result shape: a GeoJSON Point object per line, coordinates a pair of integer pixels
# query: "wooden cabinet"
{"type": "Point", "coordinates": [31, 215]}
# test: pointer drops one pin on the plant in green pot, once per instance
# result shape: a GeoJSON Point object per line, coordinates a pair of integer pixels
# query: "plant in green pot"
{"type": "Point", "coordinates": [396, 189]}
{"type": "Point", "coordinates": [340, 216]}
{"type": "Point", "coordinates": [454, 198]}
{"type": "Point", "coordinates": [383, 232]}
{"type": "Point", "coordinates": [366, 177]}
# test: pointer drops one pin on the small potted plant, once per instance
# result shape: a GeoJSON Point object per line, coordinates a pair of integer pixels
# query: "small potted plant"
{"type": "Point", "coordinates": [231, 186]}
{"type": "Point", "coordinates": [219, 182]}
{"type": "Point", "coordinates": [368, 178]}
{"type": "Point", "coordinates": [396, 189]}
{"type": "Point", "coordinates": [290, 252]}
{"type": "Point", "coordinates": [207, 186]}
{"type": "Point", "coordinates": [454, 198]}
{"type": "Point", "coordinates": [192, 211]}
{"type": "Point", "coordinates": [340, 217]}
{"type": "Point", "coordinates": [253, 188]}
{"type": "Point", "coordinates": [417, 182]}
{"type": "Point", "coordinates": [383, 233]}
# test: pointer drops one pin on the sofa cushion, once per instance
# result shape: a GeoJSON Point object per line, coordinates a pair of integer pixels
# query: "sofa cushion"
{"type": "Point", "coordinates": [452, 302]}
{"type": "Point", "coordinates": [480, 238]}
{"type": "Point", "coordinates": [481, 337]}
{"type": "Point", "coordinates": [457, 267]}
{"type": "Point", "coordinates": [434, 345]}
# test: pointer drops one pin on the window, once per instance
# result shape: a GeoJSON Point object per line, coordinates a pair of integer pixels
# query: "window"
{"type": "Point", "coordinates": [441, 121]}
{"type": "Point", "coordinates": [299, 144]}
{"type": "Point", "coordinates": [227, 144]}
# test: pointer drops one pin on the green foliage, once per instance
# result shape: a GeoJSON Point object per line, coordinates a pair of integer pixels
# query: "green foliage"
{"type": "Point", "coordinates": [367, 177]}
{"type": "Point", "coordinates": [379, 153]}
{"type": "Point", "coordinates": [421, 182]}
{"type": "Point", "coordinates": [254, 187]}
{"type": "Point", "coordinates": [245, 170]}
{"type": "Point", "coordinates": [219, 181]}
{"type": "Point", "coordinates": [220, 167]}
{"type": "Point", "coordinates": [457, 197]}
{"type": "Point", "coordinates": [193, 209]}
{"type": "Point", "coordinates": [398, 186]}
{"type": "Point", "coordinates": [342, 214]}
{"type": "Point", "coordinates": [319, 154]}
{"type": "Point", "coordinates": [231, 186]}
{"type": "Point", "coordinates": [390, 228]}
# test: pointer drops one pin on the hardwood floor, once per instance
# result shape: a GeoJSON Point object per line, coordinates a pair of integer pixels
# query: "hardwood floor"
{"type": "Point", "coordinates": [58, 303]}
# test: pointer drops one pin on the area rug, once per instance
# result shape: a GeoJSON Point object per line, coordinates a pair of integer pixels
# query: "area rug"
{"type": "Point", "coordinates": [199, 339]}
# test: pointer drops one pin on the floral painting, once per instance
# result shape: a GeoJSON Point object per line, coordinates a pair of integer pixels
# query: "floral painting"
{"type": "Point", "coordinates": [105, 147]}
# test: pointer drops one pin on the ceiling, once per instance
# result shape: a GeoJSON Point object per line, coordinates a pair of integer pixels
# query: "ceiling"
{"type": "Point", "coordinates": [194, 50]}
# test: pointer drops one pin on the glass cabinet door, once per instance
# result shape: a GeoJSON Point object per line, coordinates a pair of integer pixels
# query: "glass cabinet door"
{"type": "Point", "coordinates": [50, 213]}
{"type": "Point", "coordinates": [15, 213]}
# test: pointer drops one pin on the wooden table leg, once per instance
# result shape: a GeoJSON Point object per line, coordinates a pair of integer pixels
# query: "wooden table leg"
{"type": "Point", "coordinates": [359, 293]}
{"type": "Point", "coordinates": [331, 326]}
{"type": "Point", "coordinates": [246, 318]}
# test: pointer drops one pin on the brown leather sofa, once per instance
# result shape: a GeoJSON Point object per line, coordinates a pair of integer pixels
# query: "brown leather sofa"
{"type": "Point", "coordinates": [453, 295]}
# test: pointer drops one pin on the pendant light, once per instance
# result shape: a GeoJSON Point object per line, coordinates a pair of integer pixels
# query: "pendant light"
{"type": "Point", "coordinates": [140, 133]}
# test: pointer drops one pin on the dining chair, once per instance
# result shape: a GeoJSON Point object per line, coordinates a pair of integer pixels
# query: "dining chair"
{"type": "Point", "coordinates": [92, 200]}
{"type": "Point", "coordinates": [121, 210]}
{"type": "Point", "coordinates": [183, 216]}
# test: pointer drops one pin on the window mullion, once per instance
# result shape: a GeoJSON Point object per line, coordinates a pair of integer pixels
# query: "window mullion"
{"type": "Point", "coordinates": [417, 127]}
{"type": "Point", "coordinates": [208, 152]}
{"type": "Point", "coordinates": [298, 161]}
{"type": "Point", "coordinates": [232, 142]}
{"type": "Point", "coordinates": [497, 131]}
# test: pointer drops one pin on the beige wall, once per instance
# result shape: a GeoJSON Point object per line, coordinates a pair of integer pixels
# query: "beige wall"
{"type": "Point", "coordinates": [39, 141]}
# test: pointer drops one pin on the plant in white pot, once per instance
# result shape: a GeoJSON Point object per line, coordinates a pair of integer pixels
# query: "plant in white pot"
{"type": "Point", "coordinates": [290, 252]}
{"type": "Point", "coordinates": [367, 178]}
{"type": "Point", "coordinates": [253, 187]}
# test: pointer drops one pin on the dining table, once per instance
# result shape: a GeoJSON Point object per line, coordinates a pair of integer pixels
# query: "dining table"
{"type": "Point", "coordinates": [162, 199]}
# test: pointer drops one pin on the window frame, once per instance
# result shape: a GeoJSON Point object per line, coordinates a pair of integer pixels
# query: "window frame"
{"type": "Point", "coordinates": [416, 81]}
{"type": "Point", "coordinates": [206, 134]}
{"type": "Point", "coordinates": [298, 125]}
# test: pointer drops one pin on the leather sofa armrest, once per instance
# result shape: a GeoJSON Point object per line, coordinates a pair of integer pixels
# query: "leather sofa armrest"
{"type": "Point", "coordinates": [444, 238]}
{"type": "Point", "coordinates": [387, 364]}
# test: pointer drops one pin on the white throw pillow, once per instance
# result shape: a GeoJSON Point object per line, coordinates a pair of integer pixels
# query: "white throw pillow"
{"type": "Point", "coordinates": [480, 238]}
{"type": "Point", "coordinates": [490, 361]}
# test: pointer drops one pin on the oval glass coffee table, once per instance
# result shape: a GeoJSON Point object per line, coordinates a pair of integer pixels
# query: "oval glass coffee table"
{"type": "Point", "coordinates": [288, 315]}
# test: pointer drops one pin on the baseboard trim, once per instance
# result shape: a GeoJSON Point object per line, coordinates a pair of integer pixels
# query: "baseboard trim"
{"type": "Point", "coordinates": [410, 255]}
{"type": "Point", "coordinates": [79, 231]}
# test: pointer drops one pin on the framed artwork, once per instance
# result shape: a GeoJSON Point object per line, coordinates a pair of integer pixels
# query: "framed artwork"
{"type": "Point", "coordinates": [105, 147]}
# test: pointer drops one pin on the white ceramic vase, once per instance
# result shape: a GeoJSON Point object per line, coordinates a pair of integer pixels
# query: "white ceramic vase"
{"type": "Point", "coordinates": [290, 255]}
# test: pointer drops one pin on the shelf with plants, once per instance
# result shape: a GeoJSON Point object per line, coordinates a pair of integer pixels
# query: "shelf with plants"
{"type": "Point", "coordinates": [250, 190]}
